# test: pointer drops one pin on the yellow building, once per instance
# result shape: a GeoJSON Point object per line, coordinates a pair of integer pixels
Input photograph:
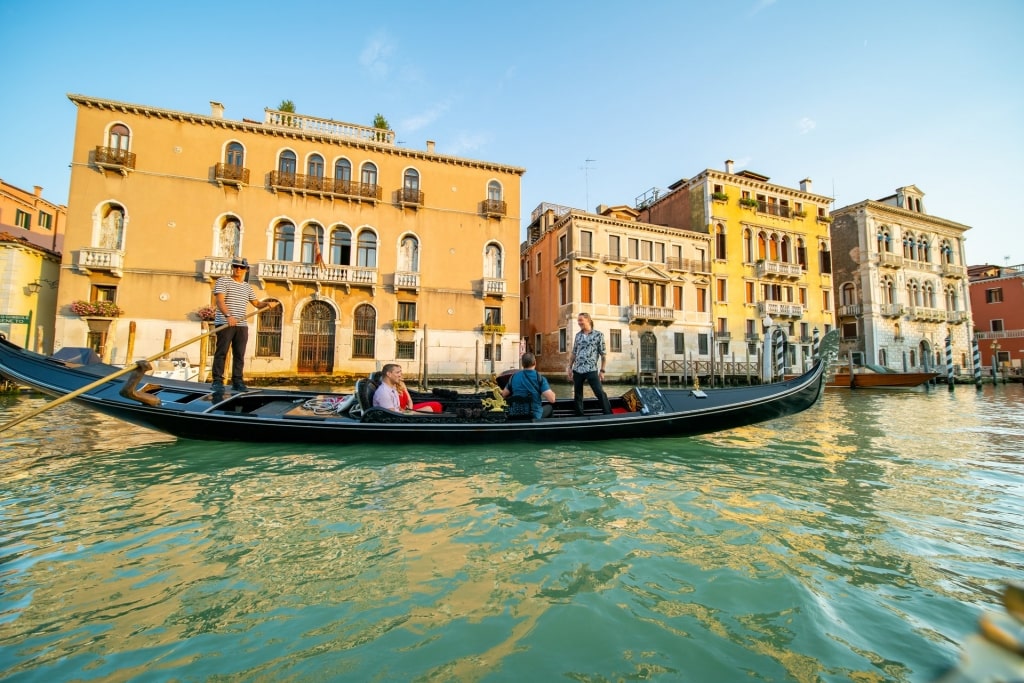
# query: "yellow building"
{"type": "Point", "coordinates": [644, 285]}
{"type": "Point", "coordinates": [31, 237]}
{"type": "Point", "coordinates": [377, 252]}
{"type": "Point", "coordinates": [770, 257]}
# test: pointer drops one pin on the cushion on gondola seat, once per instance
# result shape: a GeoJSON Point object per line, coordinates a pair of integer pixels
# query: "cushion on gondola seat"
{"type": "Point", "coordinates": [365, 389]}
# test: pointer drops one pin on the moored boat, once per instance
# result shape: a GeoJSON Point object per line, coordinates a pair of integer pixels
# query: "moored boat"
{"type": "Point", "coordinates": [877, 377]}
{"type": "Point", "coordinates": [189, 410]}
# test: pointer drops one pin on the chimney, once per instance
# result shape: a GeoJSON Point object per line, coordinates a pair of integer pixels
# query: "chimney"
{"type": "Point", "coordinates": [38, 189]}
{"type": "Point", "coordinates": [805, 185]}
{"type": "Point", "coordinates": [728, 166]}
{"type": "Point", "coordinates": [216, 110]}
{"type": "Point", "coordinates": [430, 146]}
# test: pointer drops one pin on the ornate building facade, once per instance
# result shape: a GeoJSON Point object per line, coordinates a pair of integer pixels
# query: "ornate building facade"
{"type": "Point", "coordinates": [645, 286]}
{"type": "Point", "coordinates": [770, 257]}
{"type": "Point", "coordinates": [377, 252]}
{"type": "Point", "coordinates": [902, 284]}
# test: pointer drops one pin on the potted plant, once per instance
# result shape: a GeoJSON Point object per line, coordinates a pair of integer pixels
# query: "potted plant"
{"type": "Point", "coordinates": [800, 214]}
{"type": "Point", "coordinates": [720, 196]}
{"type": "Point", "coordinates": [403, 324]}
{"type": "Point", "coordinates": [207, 314]}
{"type": "Point", "coordinates": [748, 202]}
{"type": "Point", "coordinates": [825, 219]}
{"type": "Point", "coordinates": [493, 329]}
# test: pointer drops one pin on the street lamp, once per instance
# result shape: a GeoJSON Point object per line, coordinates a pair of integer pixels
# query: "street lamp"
{"type": "Point", "coordinates": [34, 287]}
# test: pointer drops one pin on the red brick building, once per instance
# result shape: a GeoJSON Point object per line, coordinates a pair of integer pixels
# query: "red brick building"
{"type": "Point", "coordinates": [997, 303]}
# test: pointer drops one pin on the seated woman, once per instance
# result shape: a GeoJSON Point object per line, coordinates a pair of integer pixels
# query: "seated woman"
{"type": "Point", "coordinates": [405, 401]}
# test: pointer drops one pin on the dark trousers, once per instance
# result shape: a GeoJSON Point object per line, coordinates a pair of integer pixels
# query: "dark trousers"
{"type": "Point", "coordinates": [594, 380]}
{"type": "Point", "coordinates": [235, 338]}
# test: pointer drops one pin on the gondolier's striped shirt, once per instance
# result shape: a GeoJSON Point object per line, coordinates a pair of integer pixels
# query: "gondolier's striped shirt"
{"type": "Point", "coordinates": [237, 296]}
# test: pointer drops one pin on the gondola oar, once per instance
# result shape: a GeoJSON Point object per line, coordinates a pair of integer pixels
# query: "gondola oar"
{"type": "Point", "coordinates": [123, 371]}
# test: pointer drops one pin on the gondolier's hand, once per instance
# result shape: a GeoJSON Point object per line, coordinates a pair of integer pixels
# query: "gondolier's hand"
{"type": "Point", "coordinates": [232, 321]}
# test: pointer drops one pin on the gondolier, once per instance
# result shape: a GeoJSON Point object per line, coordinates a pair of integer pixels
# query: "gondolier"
{"type": "Point", "coordinates": [586, 363]}
{"type": "Point", "coordinates": [232, 295]}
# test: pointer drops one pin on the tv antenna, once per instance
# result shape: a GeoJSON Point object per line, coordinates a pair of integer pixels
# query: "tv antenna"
{"type": "Point", "coordinates": [587, 168]}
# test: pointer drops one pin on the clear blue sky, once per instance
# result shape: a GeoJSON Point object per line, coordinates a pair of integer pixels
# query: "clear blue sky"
{"type": "Point", "coordinates": [862, 97]}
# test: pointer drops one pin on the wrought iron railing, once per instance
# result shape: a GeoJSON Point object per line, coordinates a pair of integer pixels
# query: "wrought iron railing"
{"type": "Point", "coordinates": [493, 207]}
{"type": "Point", "coordinates": [114, 157]}
{"type": "Point", "coordinates": [345, 188]}
{"type": "Point", "coordinates": [231, 173]}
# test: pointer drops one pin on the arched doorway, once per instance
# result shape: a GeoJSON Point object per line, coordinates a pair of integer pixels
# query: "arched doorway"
{"type": "Point", "coordinates": [648, 354]}
{"type": "Point", "coordinates": [316, 338]}
{"type": "Point", "coordinates": [924, 353]}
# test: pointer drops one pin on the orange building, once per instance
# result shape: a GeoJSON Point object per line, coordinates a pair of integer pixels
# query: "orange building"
{"type": "Point", "coordinates": [376, 251]}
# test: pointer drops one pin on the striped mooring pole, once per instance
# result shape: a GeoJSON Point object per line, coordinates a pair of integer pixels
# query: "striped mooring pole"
{"type": "Point", "coordinates": [780, 352]}
{"type": "Point", "coordinates": [949, 361]}
{"type": "Point", "coordinates": [815, 344]}
{"type": "Point", "coordinates": [977, 363]}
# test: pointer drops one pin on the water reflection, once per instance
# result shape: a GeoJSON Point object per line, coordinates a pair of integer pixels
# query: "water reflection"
{"type": "Point", "coordinates": [854, 541]}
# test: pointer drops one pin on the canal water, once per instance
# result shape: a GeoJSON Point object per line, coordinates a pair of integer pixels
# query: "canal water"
{"type": "Point", "coordinates": [859, 540]}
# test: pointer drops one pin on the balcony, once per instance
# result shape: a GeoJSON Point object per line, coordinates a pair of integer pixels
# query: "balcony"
{"type": "Point", "coordinates": [615, 259]}
{"type": "Point", "coordinates": [650, 315]}
{"type": "Point", "coordinates": [407, 280]}
{"type": "Point", "coordinates": [935, 315]}
{"type": "Point", "coordinates": [779, 269]}
{"type": "Point", "coordinates": [114, 159]}
{"type": "Point", "coordinates": [214, 267]}
{"type": "Point", "coordinates": [493, 287]}
{"type": "Point", "coordinates": [309, 184]}
{"type": "Point", "coordinates": [722, 335]}
{"type": "Point", "coordinates": [688, 265]}
{"type": "Point", "coordinates": [850, 310]}
{"type": "Point", "coordinates": [408, 196]}
{"type": "Point", "coordinates": [231, 174]}
{"type": "Point", "coordinates": [887, 259]}
{"type": "Point", "coordinates": [952, 270]}
{"type": "Point", "coordinates": [290, 272]}
{"type": "Point", "coordinates": [779, 309]}
{"type": "Point", "coordinates": [956, 317]}
{"type": "Point", "coordinates": [891, 310]}
{"type": "Point", "coordinates": [584, 255]}
{"type": "Point", "coordinates": [96, 259]}
{"type": "Point", "coordinates": [806, 339]}
{"type": "Point", "coordinates": [494, 208]}
{"type": "Point", "coordinates": [326, 127]}
{"type": "Point", "coordinates": [774, 209]}
{"type": "Point", "coordinates": [751, 337]}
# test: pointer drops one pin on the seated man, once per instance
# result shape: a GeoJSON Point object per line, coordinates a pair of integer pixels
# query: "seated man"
{"type": "Point", "coordinates": [529, 382]}
{"type": "Point", "coordinates": [387, 396]}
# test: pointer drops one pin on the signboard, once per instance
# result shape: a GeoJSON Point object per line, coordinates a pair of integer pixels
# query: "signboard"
{"type": "Point", "coordinates": [16, 319]}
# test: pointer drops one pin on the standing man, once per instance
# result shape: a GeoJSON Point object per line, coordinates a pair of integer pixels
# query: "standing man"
{"type": "Point", "coordinates": [586, 362]}
{"type": "Point", "coordinates": [231, 295]}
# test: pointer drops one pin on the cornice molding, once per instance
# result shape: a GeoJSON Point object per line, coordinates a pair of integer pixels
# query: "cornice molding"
{"type": "Point", "coordinates": [261, 129]}
{"type": "Point", "coordinates": [904, 214]}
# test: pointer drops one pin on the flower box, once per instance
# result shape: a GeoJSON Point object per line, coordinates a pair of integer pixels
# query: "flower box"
{"type": "Point", "coordinates": [494, 329]}
{"type": "Point", "coordinates": [720, 196]}
{"type": "Point", "coordinates": [95, 309]}
{"type": "Point", "coordinates": [207, 314]}
{"type": "Point", "coordinates": [404, 324]}
{"type": "Point", "coordinates": [749, 203]}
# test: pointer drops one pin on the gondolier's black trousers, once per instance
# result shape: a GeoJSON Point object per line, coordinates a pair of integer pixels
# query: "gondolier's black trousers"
{"type": "Point", "coordinates": [594, 380]}
{"type": "Point", "coordinates": [235, 338]}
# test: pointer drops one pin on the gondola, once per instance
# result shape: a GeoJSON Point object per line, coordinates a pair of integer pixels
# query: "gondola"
{"type": "Point", "coordinates": [189, 410]}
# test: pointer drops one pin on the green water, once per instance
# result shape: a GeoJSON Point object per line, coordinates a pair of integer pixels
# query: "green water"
{"type": "Point", "coordinates": [859, 541]}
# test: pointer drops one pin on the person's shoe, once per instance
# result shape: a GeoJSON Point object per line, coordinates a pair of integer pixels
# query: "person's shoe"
{"type": "Point", "coordinates": [217, 387]}
{"type": "Point", "coordinates": [239, 385]}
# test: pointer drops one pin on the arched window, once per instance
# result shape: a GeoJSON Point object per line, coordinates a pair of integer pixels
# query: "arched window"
{"type": "Point", "coordinates": [923, 251]}
{"type": "Point", "coordinates": [762, 246]}
{"type": "Point", "coordinates": [364, 331]}
{"type": "Point", "coordinates": [229, 237]}
{"type": "Point", "coordinates": [368, 175]}
{"type": "Point", "coordinates": [773, 248]}
{"type": "Point", "coordinates": [784, 253]}
{"type": "Point", "coordinates": [494, 191]}
{"type": "Point", "coordinates": [748, 246]}
{"type": "Point", "coordinates": [120, 138]}
{"type": "Point", "coordinates": [341, 247]}
{"type": "Point", "coordinates": [493, 266]}
{"type": "Point", "coordinates": [409, 255]}
{"type": "Point", "coordinates": [884, 240]}
{"type": "Point", "coordinates": [848, 295]}
{"type": "Point", "coordinates": [112, 227]}
{"type": "Point", "coordinates": [909, 247]}
{"type": "Point", "coordinates": [720, 241]}
{"type": "Point", "coordinates": [315, 166]}
{"type": "Point", "coordinates": [366, 249]}
{"type": "Point", "coordinates": [235, 155]}
{"type": "Point", "coordinates": [312, 244]}
{"type": "Point", "coordinates": [284, 241]}
{"type": "Point", "coordinates": [801, 253]}
{"type": "Point", "coordinates": [952, 299]}
{"type": "Point", "coordinates": [929, 295]}
{"type": "Point", "coordinates": [286, 163]}
{"type": "Point", "coordinates": [888, 291]}
{"type": "Point", "coordinates": [343, 170]}
{"type": "Point", "coordinates": [882, 357]}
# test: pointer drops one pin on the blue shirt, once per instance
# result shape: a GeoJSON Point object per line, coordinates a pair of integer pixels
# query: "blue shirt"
{"type": "Point", "coordinates": [530, 383]}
